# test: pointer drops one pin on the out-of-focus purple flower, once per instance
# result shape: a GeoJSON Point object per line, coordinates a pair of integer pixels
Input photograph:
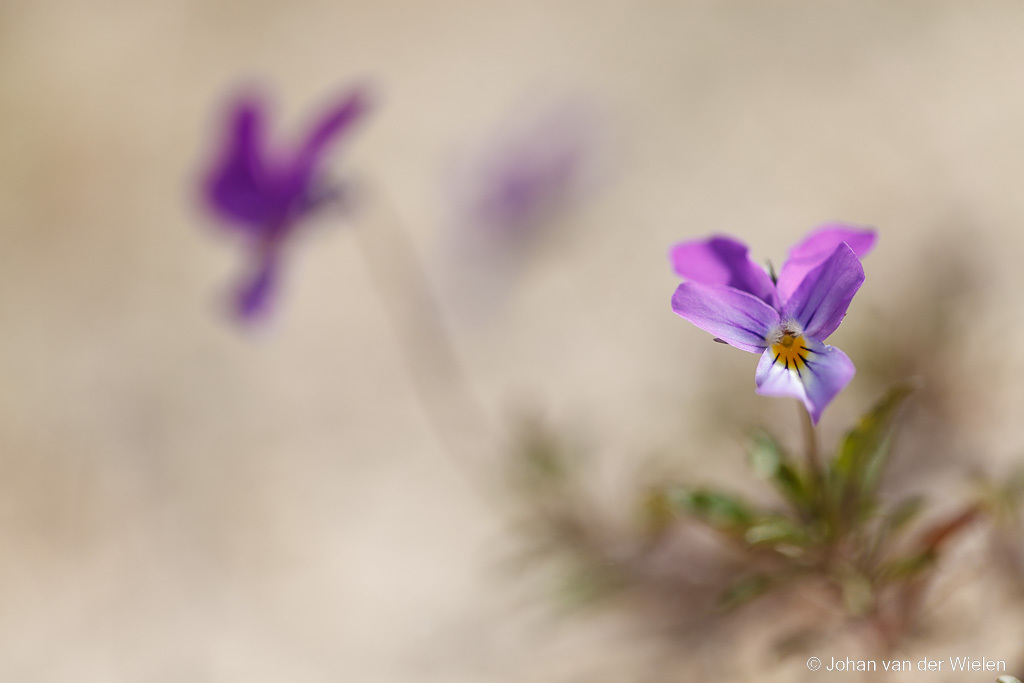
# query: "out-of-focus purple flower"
{"type": "Point", "coordinates": [264, 194]}
{"type": "Point", "coordinates": [787, 320]}
{"type": "Point", "coordinates": [527, 177]}
{"type": "Point", "coordinates": [514, 192]}
{"type": "Point", "coordinates": [531, 180]}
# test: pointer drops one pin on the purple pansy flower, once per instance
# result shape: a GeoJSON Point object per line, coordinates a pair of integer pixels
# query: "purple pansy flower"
{"type": "Point", "coordinates": [264, 194]}
{"type": "Point", "coordinates": [785, 320]}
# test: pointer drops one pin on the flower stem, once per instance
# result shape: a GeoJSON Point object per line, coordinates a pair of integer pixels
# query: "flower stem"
{"type": "Point", "coordinates": [811, 450]}
{"type": "Point", "coordinates": [439, 380]}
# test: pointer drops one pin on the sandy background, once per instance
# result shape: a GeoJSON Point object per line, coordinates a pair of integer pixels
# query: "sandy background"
{"type": "Point", "coordinates": [181, 500]}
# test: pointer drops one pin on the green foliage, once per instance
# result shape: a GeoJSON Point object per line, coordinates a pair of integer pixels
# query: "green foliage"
{"type": "Point", "coordinates": [854, 475]}
{"type": "Point", "coordinates": [906, 567]}
{"type": "Point", "coordinates": [832, 522]}
{"type": "Point", "coordinates": [1003, 498]}
{"type": "Point", "coordinates": [828, 524]}
{"type": "Point", "coordinates": [904, 513]}
{"type": "Point", "coordinates": [745, 590]}
{"type": "Point", "coordinates": [720, 510]}
{"type": "Point", "coordinates": [776, 531]}
{"type": "Point", "coordinates": [743, 521]}
{"type": "Point", "coordinates": [770, 460]}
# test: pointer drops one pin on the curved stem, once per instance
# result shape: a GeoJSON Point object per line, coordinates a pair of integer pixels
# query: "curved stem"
{"type": "Point", "coordinates": [439, 380]}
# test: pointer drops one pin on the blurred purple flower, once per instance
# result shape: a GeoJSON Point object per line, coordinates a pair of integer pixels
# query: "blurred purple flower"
{"type": "Point", "coordinates": [265, 194]}
{"type": "Point", "coordinates": [526, 178]}
{"type": "Point", "coordinates": [514, 193]}
{"type": "Point", "coordinates": [528, 182]}
{"type": "Point", "coordinates": [786, 321]}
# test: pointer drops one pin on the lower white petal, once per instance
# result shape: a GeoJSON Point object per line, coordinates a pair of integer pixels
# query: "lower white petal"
{"type": "Point", "coordinates": [816, 379]}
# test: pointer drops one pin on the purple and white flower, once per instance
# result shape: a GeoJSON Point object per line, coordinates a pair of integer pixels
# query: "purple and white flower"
{"type": "Point", "coordinates": [787, 319]}
{"type": "Point", "coordinates": [264, 194]}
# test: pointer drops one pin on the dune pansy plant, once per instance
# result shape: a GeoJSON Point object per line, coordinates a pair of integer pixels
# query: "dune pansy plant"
{"type": "Point", "coordinates": [264, 194]}
{"type": "Point", "coordinates": [785, 318]}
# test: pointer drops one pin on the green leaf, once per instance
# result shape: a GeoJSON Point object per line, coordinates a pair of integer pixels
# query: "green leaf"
{"type": "Point", "coordinates": [863, 452]}
{"type": "Point", "coordinates": [718, 509]}
{"type": "Point", "coordinates": [775, 530]}
{"type": "Point", "coordinates": [903, 513]}
{"type": "Point", "coordinates": [745, 590]}
{"type": "Point", "coordinates": [902, 568]}
{"type": "Point", "coordinates": [766, 454]}
{"type": "Point", "coordinates": [1002, 498]}
{"type": "Point", "coordinates": [871, 433]}
{"type": "Point", "coordinates": [770, 460]}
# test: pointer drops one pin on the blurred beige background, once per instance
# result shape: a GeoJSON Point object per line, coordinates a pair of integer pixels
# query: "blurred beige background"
{"type": "Point", "coordinates": [180, 500]}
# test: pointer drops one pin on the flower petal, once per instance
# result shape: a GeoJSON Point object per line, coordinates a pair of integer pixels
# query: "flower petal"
{"type": "Point", "coordinates": [825, 373]}
{"type": "Point", "coordinates": [736, 317]}
{"type": "Point", "coordinates": [334, 121]}
{"type": "Point", "coordinates": [816, 248]}
{"type": "Point", "coordinates": [722, 261]}
{"type": "Point", "coordinates": [254, 296]}
{"type": "Point", "coordinates": [239, 186]}
{"type": "Point", "coordinates": [820, 302]}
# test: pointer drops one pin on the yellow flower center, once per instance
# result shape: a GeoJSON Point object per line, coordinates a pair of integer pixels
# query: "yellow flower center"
{"type": "Point", "coordinates": [791, 350]}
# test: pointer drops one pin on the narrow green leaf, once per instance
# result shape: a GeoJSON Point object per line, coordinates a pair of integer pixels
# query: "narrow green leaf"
{"type": "Point", "coordinates": [903, 513]}
{"type": "Point", "coordinates": [712, 507]}
{"type": "Point", "coordinates": [864, 450]}
{"type": "Point", "coordinates": [771, 461]}
{"type": "Point", "coordinates": [745, 590]}
{"type": "Point", "coordinates": [871, 431]}
{"type": "Point", "coordinates": [766, 454]}
{"type": "Point", "coordinates": [902, 568]}
{"type": "Point", "coordinates": [775, 530]}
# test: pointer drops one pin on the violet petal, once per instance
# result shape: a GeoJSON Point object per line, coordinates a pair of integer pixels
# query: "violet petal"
{"type": "Point", "coordinates": [239, 187]}
{"type": "Point", "coordinates": [254, 296]}
{"type": "Point", "coordinates": [331, 124]}
{"type": "Point", "coordinates": [738, 318]}
{"type": "Point", "coordinates": [820, 302]}
{"type": "Point", "coordinates": [820, 380]}
{"type": "Point", "coordinates": [816, 248]}
{"type": "Point", "coordinates": [722, 261]}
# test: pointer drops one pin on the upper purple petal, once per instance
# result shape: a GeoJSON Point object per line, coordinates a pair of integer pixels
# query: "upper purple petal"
{"type": "Point", "coordinates": [240, 185]}
{"type": "Point", "coordinates": [265, 194]}
{"type": "Point", "coordinates": [824, 375]}
{"type": "Point", "coordinates": [820, 302]}
{"type": "Point", "coordinates": [336, 120]}
{"type": "Point", "coordinates": [815, 248]}
{"type": "Point", "coordinates": [736, 317]}
{"type": "Point", "coordinates": [722, 261]}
